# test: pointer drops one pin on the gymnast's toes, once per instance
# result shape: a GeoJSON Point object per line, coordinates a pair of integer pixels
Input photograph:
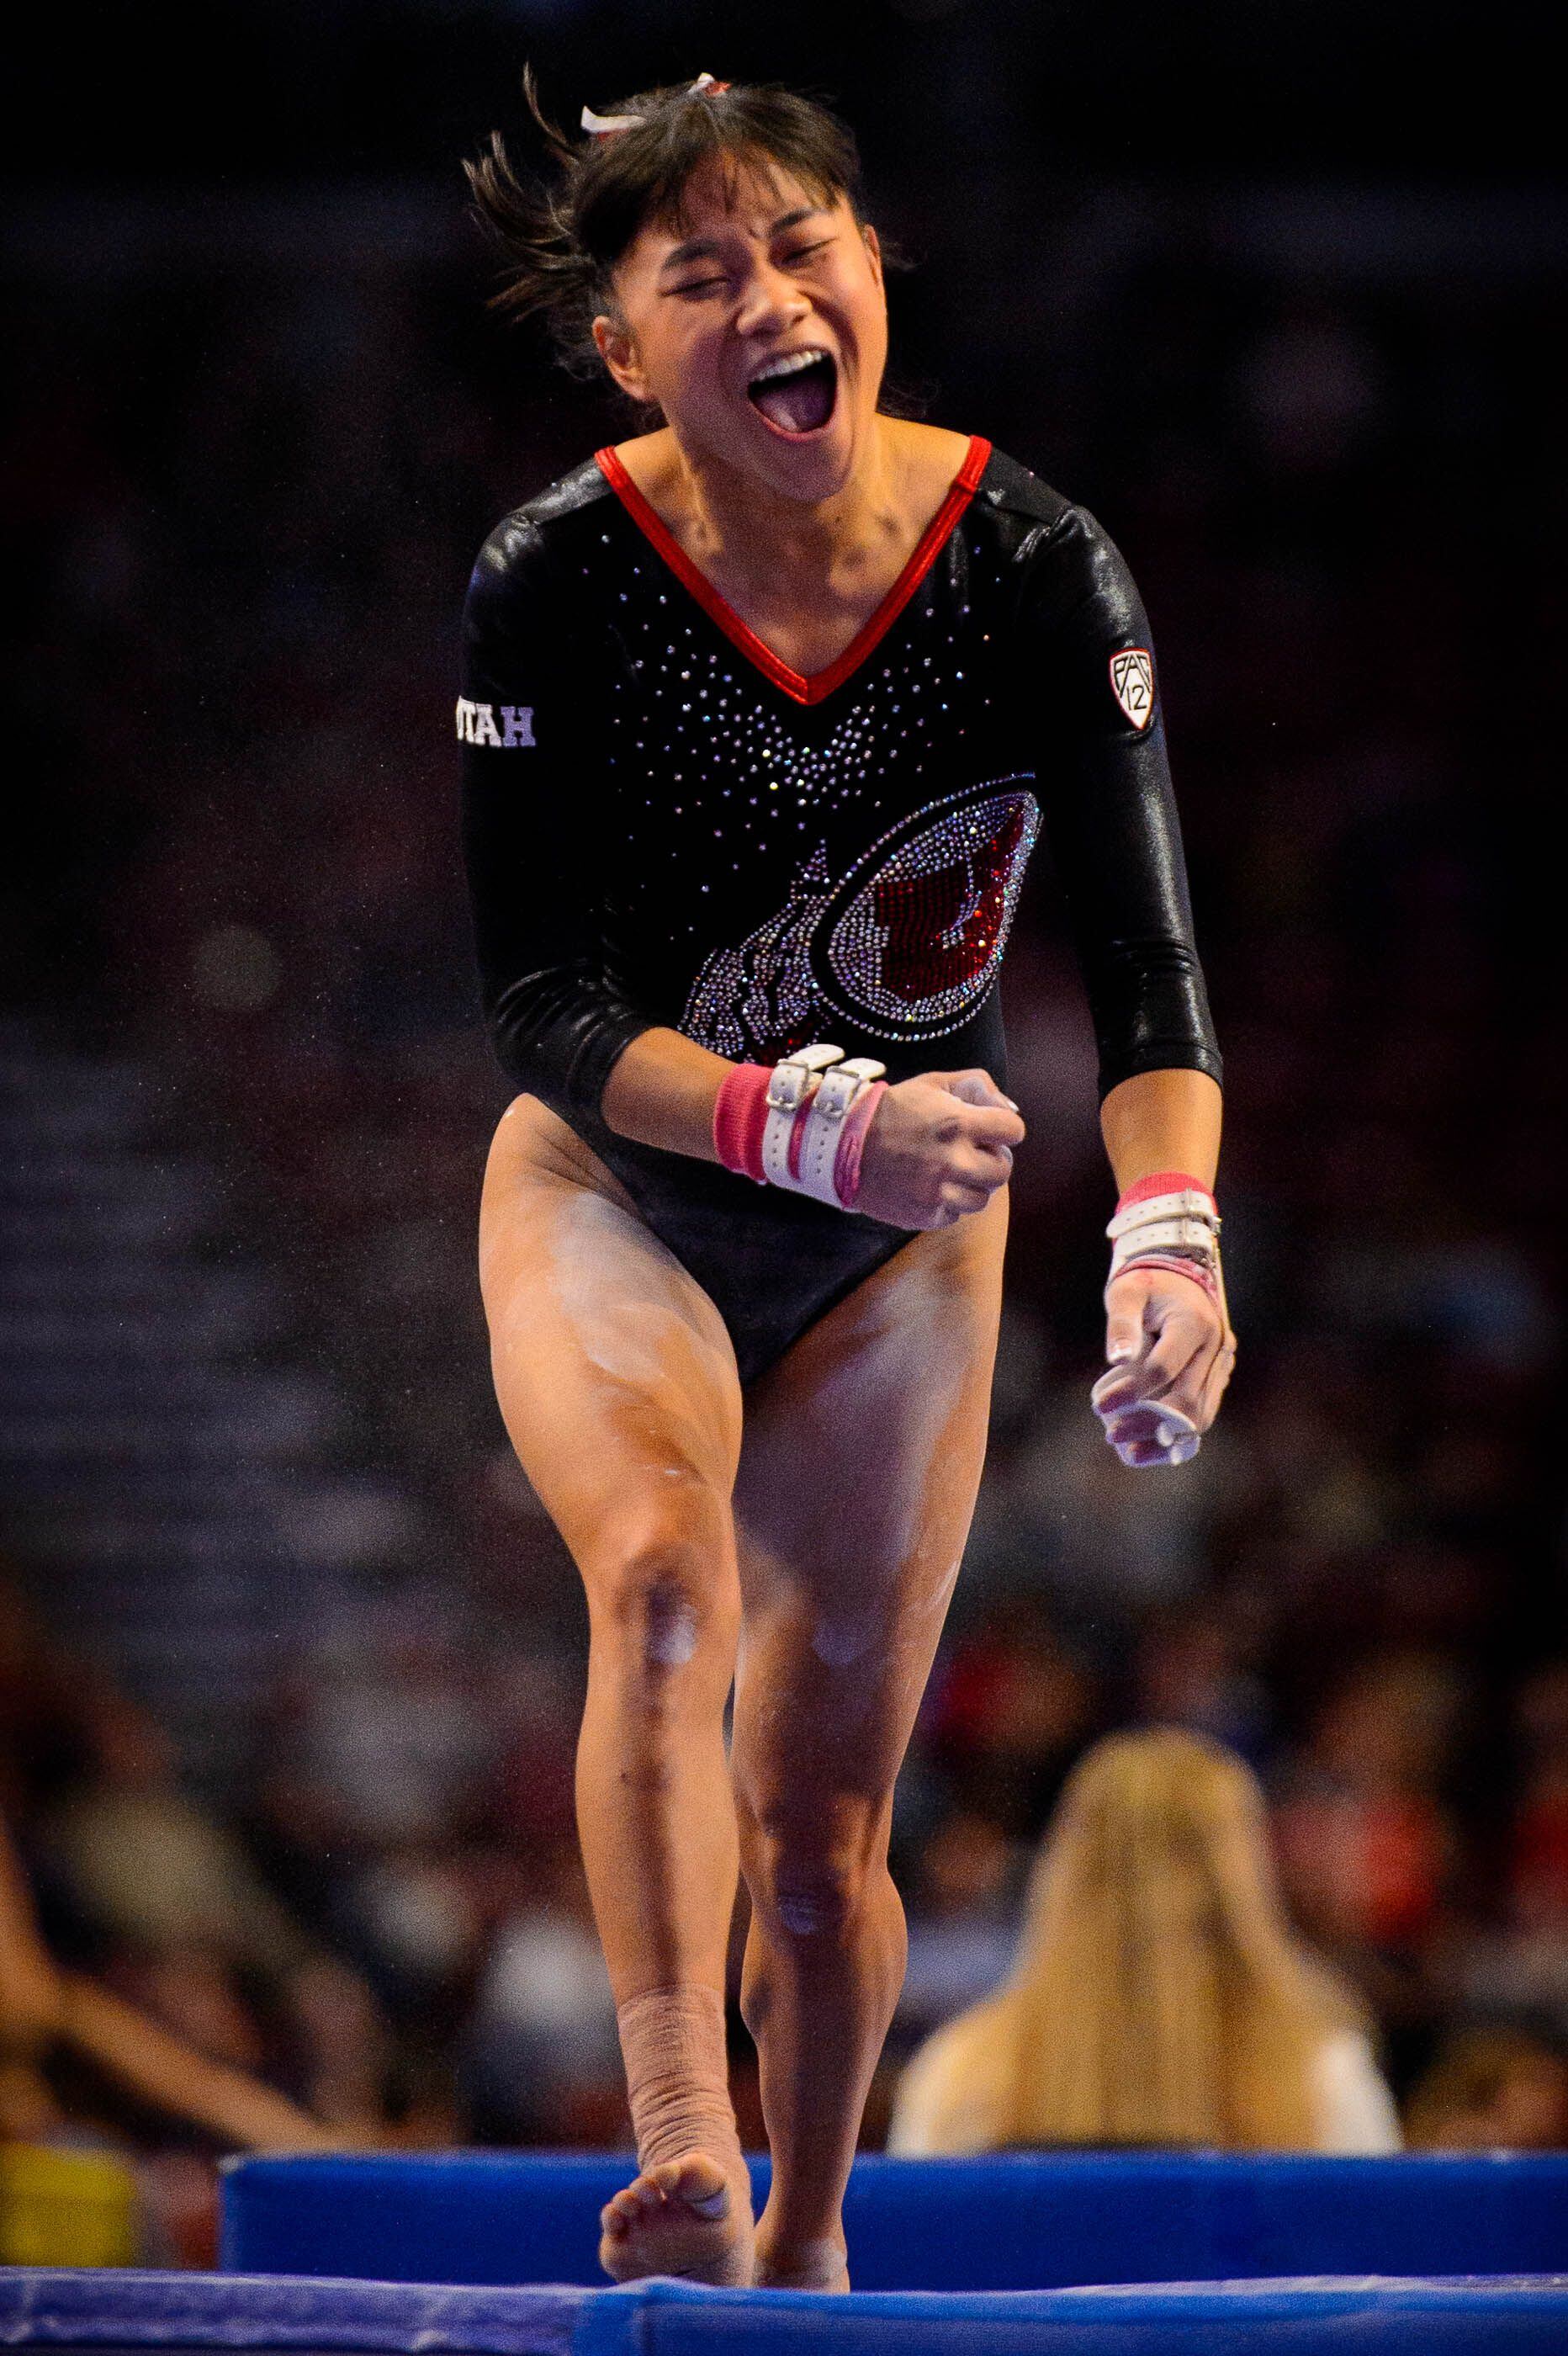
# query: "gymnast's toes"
{"type": "Point", "coordinates": [683, 2216]}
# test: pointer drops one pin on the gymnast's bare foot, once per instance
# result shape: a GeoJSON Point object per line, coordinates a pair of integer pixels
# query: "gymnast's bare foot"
{"type": "Point", "coordinates": [809, 2265]}
{"type": "Point", "coordinates": [684, 2217]}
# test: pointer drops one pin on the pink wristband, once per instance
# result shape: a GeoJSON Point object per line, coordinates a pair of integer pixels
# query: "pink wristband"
{"type": "Point", "coordinates": [852, 1144]}
{"type": "Point", "coordinates": [1170, 1182]}
{"type": "Point", "coordinates": [1162, 1181]}
{"type": "Point", "coordinates": [740, 1117]}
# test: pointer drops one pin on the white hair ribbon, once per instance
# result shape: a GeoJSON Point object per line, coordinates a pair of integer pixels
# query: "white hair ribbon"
{"type": "Point", "coordinates": [601, 125]}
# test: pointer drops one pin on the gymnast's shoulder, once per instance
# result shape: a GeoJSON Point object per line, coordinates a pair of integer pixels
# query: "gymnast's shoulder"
{"type": "Point", "coordinates": [535, 548]}
{"type": "Point", "coordinates": [1068, 569]}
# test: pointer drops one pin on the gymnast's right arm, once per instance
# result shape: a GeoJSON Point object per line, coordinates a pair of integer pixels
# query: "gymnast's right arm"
{"type": "Point", "coordinates": [559, 1028]}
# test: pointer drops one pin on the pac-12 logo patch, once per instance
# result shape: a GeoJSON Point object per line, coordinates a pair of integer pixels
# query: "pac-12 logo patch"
{"type": "Point", "coordinates": [1132, 679]}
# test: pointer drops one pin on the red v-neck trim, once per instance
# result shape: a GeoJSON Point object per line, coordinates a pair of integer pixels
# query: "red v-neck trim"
{"type": "Point", "coordinates": [804, 689]}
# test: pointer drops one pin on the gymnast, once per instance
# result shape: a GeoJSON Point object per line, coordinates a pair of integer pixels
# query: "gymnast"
{"type": "Point", "coordinates": [761, 711]}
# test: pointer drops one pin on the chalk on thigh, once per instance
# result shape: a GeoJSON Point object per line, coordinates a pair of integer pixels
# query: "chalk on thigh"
{"type": "Point", "coordinates": [613, 1371]}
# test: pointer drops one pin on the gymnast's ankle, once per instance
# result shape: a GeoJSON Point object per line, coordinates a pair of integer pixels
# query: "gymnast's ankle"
{"type": "Point", "coordinates": [690, 2209]}
{"type": "Point", "coordinates": [819, 2262]}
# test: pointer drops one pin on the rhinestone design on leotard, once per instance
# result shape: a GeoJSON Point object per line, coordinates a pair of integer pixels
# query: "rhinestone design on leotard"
{"type": "Point", "coordinates": [905, 944]}
{"type": "Point", "coordinates": [759, 998]}
{"type": "Point", "coordinates": [929, 910]}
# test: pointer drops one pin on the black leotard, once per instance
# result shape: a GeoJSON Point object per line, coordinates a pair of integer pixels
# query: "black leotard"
{"type": "Point", "coordinates": [664, 824]}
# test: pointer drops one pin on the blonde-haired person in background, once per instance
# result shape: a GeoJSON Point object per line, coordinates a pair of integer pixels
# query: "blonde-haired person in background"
{"type": "Point", "coordinates": [1159, 1996]}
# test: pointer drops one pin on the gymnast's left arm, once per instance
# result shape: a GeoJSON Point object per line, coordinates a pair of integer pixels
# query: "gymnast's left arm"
{"type": "Point", "coordinates": [1112, 821]}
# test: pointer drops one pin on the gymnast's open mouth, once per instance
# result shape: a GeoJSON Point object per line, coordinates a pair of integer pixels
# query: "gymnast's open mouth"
{"type": "Point", "coordinates": [795, 393]}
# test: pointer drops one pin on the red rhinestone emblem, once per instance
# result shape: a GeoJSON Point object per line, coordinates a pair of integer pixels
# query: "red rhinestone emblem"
{"type": "Point", "coordinates": [917, 933]}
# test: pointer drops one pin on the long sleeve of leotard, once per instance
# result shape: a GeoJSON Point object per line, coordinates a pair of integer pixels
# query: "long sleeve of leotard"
{"type": "Point", "coordinates": [529, 764]}
{"type": "Point", "coordinates": [1109, 812]}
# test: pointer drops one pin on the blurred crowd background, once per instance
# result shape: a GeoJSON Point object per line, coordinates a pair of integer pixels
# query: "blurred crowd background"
{"type": "Point", "coordinates": [290, 1658]}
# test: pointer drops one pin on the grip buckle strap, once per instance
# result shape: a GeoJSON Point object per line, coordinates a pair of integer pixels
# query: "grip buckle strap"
{"type": "Point", "coordinates": [809, 1094]}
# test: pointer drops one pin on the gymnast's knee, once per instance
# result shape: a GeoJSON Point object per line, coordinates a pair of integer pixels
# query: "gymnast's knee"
{"type": "Point", "coordinates": [812, 1872]}
{"type": "Point", "coordinates": [663, 1592]}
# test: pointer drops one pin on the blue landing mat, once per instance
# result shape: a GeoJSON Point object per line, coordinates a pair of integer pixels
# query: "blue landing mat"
{"type": "Point", "coordinates": [1013, 2222]}
{"type": "Point", "coordinates": [132, 2314]}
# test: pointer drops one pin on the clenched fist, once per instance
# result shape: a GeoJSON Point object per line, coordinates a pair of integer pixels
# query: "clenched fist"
{"type": "Point", "coordinates": [938, 1146]}
{"type": "Point", "coordinates": [1171, 1352]}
